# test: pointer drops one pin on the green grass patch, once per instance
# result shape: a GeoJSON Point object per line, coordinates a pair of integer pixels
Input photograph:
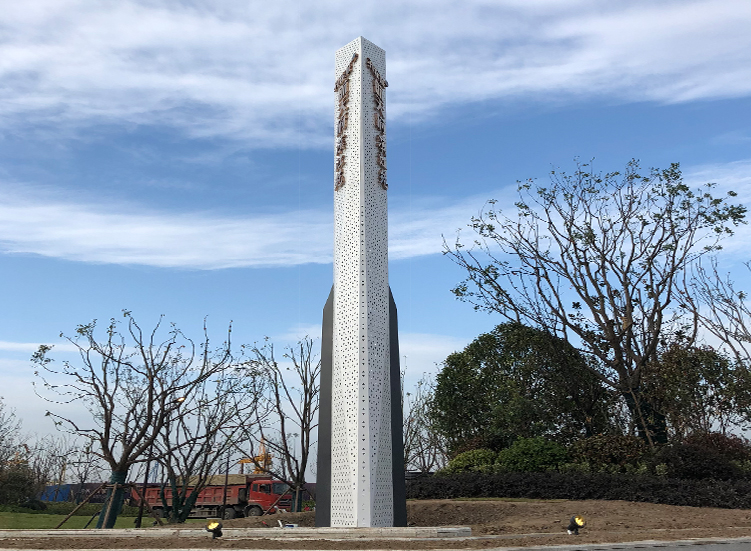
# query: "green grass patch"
{"type": "Point", "coordinates": [64, 508]}
{"type": "Point", "coordinates": [31, 521]}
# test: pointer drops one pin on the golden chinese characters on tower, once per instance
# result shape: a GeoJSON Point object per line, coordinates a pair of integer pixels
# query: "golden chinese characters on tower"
{"type": "Point", "coordinates": [342, 97]}
{"type": "Point", "coordinates": [379, 119]}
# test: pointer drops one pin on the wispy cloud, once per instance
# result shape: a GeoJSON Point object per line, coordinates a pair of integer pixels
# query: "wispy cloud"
{"type": "Point", "coordinates": [297, 333]}
{"type": "Point", "coordinates": [734, 176]}
{"type": "Point", "coordinates": [262, 71]}
{"type": "Point", "coordinates": [91, 233]}
{"type": "Point", "coordinates": [422, 354]}
{"type": "Point", "coordinates": [20, 395]}
{"type": "Point", "coordinates": [30, 224]}
{"type": "Point", "coordinates": [423, 351]}
{"type": "Point", "coordinates": [33, 346]}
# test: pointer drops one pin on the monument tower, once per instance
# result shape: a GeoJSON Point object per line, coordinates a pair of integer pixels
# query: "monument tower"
{"type": "Point", "coordinates": [360, 476]}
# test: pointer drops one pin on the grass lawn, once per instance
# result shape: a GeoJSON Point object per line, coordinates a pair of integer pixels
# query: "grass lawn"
{"type": "Point", "coordinates": [32, 520]}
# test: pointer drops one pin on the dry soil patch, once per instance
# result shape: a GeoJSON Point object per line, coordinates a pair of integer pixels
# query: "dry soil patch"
{"type": "Point", "coordinates": [494, 523]}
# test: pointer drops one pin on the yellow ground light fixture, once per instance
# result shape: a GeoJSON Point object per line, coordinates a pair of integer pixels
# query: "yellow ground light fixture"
{"type": "Point", "coordinates": [575, 523]}
{"type": "Point", "coordinates": [215, 527]}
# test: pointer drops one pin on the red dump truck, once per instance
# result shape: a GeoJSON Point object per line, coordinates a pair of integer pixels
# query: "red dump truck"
{"type": "Point", "coordinates": [247, 496]}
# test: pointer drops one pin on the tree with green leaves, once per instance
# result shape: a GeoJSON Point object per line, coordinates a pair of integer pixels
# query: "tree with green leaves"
{"type": "Point", "coordinates": [517, 381]}
{"type": "Point", "coordinates": [596, 260]}
{"type": "Point", "coordinates": [699, 390]}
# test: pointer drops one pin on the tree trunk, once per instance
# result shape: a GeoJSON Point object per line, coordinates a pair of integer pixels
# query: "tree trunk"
{"type": "Point", "coordinates": [113, 502]}
{"type": "Point", "coordinates": [651, 425]}
{"type": "Point", "coordinates": [178, 501]}
{"type": "Point", "coordinates": [297, 494]}
{"type": "Point", "coordinates": [187, 506]}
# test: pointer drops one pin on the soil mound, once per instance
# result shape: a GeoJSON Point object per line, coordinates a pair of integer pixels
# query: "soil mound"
{"type": "Point", "coordinates": [504, 523]}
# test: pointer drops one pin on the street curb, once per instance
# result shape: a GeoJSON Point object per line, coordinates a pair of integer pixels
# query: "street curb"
{"type": "Point", "coordinates": [416, 532]}
{"type": "Point", "coordinates": [289, 535]}
{"type": "Point", "coordinates": [583, 547]}
{"type": "Point", "coordinates": [623, 545]}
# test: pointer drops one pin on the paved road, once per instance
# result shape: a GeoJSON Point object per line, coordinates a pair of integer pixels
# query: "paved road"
{"type": "Point", "coordinates": [736, 544]}
{"type": "Point", "coordinates": [708, 544]}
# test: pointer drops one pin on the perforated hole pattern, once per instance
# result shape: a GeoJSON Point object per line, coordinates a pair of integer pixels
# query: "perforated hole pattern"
{"type": "Point", "coordinates": [361, 483]}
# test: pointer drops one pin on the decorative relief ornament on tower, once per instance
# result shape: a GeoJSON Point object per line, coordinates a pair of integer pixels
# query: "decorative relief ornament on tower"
{"type": "Point", "coordinates": [379, 119]}
{"type": "Point", "coordinates": [342, 98]}
{"type": "Point", "coordinates": [360, 476]}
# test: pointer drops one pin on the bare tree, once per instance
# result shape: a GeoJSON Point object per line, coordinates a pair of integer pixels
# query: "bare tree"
{"type": "Point", "coordinates": [27, 464]}
{"type": "Point", "coordinates": [595, 259]}
{"type": "Point", "coordinates": [193, 443]}
{"type": "Point", "coordinates": [10, 431]}
{"type": "Point", "coordinates": [83, 466]}
{"type": "Point", "coordinates": [424, 447]}
{"type": "Point", "coordinates": [287, 415]}
{"type": "Point", "coordinates": [16, 480]}
{"type": "Point", "coordinates": [723, 310]}
{"type": "Point", "coordinates": [47, 459]}
{"type": "Point", "coordinates": [132, 384]}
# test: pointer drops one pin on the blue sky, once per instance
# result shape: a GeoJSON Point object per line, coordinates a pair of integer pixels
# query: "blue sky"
{"type": "Point", "coordinates": [175, 157]}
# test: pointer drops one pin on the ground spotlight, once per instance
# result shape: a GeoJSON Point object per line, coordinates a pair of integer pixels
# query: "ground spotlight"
{"type": "Point", "coordinates": [215, 527]}
{"type": "Point", "coordinates": [576, 522]}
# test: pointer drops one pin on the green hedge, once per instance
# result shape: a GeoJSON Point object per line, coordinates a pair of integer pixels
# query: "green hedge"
{"type": "Point", "coordinates": [473, 461]}
{"type": "Point", "coordinates": [532, 455]}
{"type": "Point", "coordinates": [728, 494]}
{"type": "Point", "coordinates": [524, 455]}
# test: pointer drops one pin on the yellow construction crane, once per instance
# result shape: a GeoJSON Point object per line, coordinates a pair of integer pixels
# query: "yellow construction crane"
{"type": "Point", "coordinates": [262, 461]}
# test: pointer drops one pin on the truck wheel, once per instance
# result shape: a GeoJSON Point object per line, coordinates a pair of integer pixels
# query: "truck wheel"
{"type": "Point", "coordinates": [229, 513]}
{"type": "Point", "coordinates": [253, 511]}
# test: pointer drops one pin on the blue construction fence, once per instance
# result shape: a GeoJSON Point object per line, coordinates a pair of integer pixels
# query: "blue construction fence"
{"type": "Point", "coordinates": [72, 492]}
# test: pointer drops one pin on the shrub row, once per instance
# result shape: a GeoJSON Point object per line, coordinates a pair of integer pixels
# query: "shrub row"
{"type": "Point", "coordinates": [728, 494]}
{"type": "Point", "coordinates": [524, 455]}
{"type": "Point", "coordinates": [699, 456]}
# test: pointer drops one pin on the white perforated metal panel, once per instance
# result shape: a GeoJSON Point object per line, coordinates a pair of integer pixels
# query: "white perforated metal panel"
{"type": "Point", "coordinates": [361, 474]}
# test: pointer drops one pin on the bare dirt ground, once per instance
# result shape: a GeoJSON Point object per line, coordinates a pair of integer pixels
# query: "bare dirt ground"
{"type": "Point", "coordinates": [494, 523]}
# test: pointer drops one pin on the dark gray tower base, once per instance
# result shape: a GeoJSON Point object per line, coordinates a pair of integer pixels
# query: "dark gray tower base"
{"type": "Point", "coordinates": [323, 475]}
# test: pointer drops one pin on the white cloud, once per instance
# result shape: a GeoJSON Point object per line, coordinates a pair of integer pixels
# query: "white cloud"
{"type": "Point", "coordinates": [19, 394]}
{"type": "Point", "coordinates": [262, 71]}
{"type": "Point", "coordinates": [91, 233]}
{"type": "Point", "coordinates": [34, 224]}
{"type": "Point", "coordinates": [734, 176]}
{"type": "Point", "coordinates": [297, 333]}
{"type": "Point", "coordinates": [33, 347]}
{"type": "Point", "coordinates": [422, 353]}
{"type": "Point", "coordinates": [735, 137]}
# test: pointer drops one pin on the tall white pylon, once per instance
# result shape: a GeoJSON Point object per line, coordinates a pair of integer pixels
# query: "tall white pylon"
{"type": "Point", "coordinates": [365, 457]}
